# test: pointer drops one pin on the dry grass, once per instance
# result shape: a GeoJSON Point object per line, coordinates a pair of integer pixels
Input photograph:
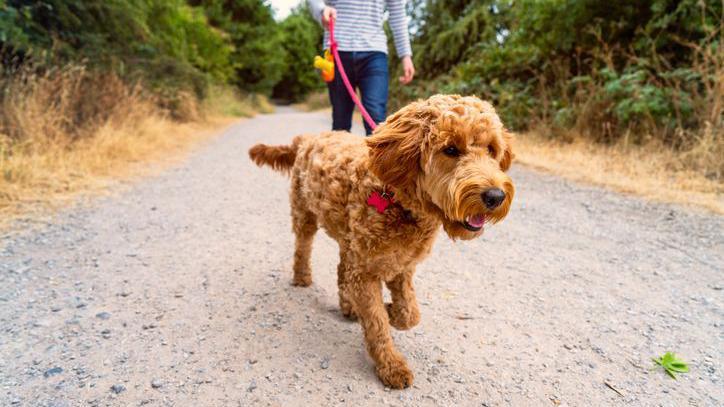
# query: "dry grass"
{"type": "Point", "coordinates": [62, 134]}
{"type": "Point", "coordinates": [314, 102]}
{"type": "Point", "coordinates": [652, 171]}
{"type": "Point", "coordinates": [682, 158]}
{"type": "Point", "coordinates": [226, 102]}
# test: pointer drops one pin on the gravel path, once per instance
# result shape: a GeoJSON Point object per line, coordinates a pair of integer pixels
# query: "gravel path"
{"type": "Point", "coordinates": [175, 291]}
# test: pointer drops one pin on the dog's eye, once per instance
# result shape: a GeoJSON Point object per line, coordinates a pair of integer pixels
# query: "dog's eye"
{"type": "Point", "coordinates": [451, 151]}
{"type": "Point", "coordinates": [491, 150]}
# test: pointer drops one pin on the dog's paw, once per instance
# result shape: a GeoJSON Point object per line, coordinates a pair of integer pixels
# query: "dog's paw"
{"type": "Point", "coordinates": [401, 318]}
{"type": "Point", "coordinates": [396, 375]}
{"type": "Point", "coordinates": [349, 314]}
{"type": "Point", "coordinates": [303, 281]}
{"type": "Point", "coordinates": [346, 308]}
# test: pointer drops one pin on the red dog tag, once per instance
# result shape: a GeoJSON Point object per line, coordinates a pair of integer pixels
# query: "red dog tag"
{"type": "Point", "coordinates": [379, 201]}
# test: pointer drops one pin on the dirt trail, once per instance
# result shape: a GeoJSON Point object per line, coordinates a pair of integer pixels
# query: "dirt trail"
{"type": "Point", "coordinates": [176, 291]}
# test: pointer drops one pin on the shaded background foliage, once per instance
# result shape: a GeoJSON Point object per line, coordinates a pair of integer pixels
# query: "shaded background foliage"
{"type": "Point", "coordinates": [638, 70]}
{"type": "Point", "coordinates": [635, 70]}
{"type": "Point", "coordinates": [301, 38]}
{"type": "Point", "coordinates": [167, 43]}
{"type": "Point", "coordinates": [171, 45]}
{"type": "Point", "coordinates": [257, 57]}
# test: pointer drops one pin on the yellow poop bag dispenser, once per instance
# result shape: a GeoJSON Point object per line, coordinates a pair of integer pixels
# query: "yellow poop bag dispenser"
{"type": "Point", "coordinates": [325, 65]}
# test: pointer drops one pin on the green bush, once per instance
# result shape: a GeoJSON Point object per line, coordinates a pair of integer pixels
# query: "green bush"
{"type": "Point", "coordinates": [301, 39]}
{"type": "Point", "coordinates": [641, 69]}
{"type": "Point", "coordinates": [258, 55]}
{"type": "Point", "coordinates": [175, 47]}
{"type": "Point", "coordinates": [164, 42]}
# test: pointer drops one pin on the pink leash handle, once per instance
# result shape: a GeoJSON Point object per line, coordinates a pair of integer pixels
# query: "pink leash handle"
{"type": "Point", "coordinates": [340, 68]}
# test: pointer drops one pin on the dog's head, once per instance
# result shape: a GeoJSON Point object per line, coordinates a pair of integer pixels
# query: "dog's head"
{"type": "Point", "coordinates": [450, 153]}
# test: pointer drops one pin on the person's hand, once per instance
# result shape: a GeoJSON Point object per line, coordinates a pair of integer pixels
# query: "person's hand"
{"type": "Point", "coordinates": [408, 70]}
{"type": "Point", "coordinates": [328, 13]}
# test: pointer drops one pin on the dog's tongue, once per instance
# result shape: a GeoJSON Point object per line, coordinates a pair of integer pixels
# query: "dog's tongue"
{"type": "Point", "coordinates": [476, 221]}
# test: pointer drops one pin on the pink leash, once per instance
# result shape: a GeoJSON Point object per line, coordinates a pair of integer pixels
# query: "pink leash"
{"type": "Point", "coordinates": [340, 68]}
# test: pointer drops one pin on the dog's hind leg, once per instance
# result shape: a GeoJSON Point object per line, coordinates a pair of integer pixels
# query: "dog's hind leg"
{"type": "Point", "coordinates": [404, 312]}
{"type": "Point", "coordinates": [345, 302]}
{"type": "Point", "coordinates": [304, 224]}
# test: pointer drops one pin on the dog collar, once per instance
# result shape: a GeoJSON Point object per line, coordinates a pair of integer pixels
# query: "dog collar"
{"type": "Point", "coordinates": [383, 200]}
{"type": "Point", "coordinates": [380, 201]}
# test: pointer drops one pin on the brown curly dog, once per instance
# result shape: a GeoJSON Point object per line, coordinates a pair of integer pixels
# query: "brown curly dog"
{"type": "Point", "coordinates": [436, 162]}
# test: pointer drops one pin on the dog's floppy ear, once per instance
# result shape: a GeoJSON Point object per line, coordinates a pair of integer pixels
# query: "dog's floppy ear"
{"type": "Point", "coordinates": [395, 148]}
{"type": "Point", "coordinates": [508, 155]}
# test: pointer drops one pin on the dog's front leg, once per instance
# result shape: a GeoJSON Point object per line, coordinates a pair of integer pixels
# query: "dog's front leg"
{"type": "Point", "coordinates": [391, 366]}
{"type": "Point", "coordinates": [404, 312]}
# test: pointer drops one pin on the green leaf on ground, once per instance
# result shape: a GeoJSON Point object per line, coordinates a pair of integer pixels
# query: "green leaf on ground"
{"type": "Point", "coordinates": [671, 364]}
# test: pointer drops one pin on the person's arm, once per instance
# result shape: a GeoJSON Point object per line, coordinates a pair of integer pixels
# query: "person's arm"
{"type": "Point", "coordinates": [398, 24]}
{"type": "Point", "coordinates": [316, 7]}
{"type": "Point", "coordinates": [321, 12]}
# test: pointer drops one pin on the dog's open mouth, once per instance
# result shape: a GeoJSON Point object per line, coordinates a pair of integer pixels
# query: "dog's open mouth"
{"type": "Point", "coordinates": [474, 223]}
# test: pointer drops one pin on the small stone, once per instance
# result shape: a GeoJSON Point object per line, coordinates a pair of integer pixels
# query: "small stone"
{"type": "Point", "coordinates": [252, 386]}
{"type": "Point", "coordinates": [55, 309]}
{"type": "Point", "coordinates": [325, 363]}
{"type": "Point", "coordinates": [349, 388]}
{"type": "Point", "coordinates": [118, 388]}
{"type": "Point", "coordinates": [156, 383]}
{"type": "Point", "coordinates": [53, 371]}
{"type": "Point", "coordinates": [103, 315]}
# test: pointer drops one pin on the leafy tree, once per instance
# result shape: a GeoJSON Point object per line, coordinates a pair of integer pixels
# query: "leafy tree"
{"type": "Point", "coordinates": [302, 39]}
{"type": "Point", "coordinates": [258, 55]}
{"type": "Point", "coordinates": [166, 42]}
{"type": "Point", "coordinates": [641, 68]}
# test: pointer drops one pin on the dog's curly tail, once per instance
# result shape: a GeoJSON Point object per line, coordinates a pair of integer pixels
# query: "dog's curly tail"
{"type": "Point", "coordinates": [280, 158]}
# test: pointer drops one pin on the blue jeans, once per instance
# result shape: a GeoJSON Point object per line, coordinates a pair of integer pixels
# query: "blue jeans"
{"type": "Point", "coordinates": [367, 71]}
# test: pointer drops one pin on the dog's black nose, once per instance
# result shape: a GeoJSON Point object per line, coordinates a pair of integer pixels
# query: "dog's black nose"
{"type": "Point", "coordinates": [493, 198]}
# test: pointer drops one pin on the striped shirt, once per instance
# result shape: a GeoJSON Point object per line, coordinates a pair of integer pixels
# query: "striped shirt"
{"type": "Point", "coordinates": [359, 24]}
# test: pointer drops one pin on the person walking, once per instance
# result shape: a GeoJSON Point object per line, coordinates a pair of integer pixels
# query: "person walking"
{"type": "Point", "coordinates": [363, 51]}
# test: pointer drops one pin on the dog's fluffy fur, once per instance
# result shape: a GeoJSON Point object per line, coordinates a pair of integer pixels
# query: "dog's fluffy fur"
{"type": "Point", "coordinates": [333, 175]}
